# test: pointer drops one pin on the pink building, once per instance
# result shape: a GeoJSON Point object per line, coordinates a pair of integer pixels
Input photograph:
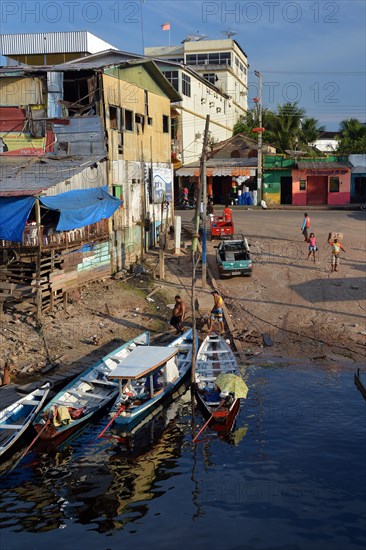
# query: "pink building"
{"type": "Point", "coordinates": [321, 182]}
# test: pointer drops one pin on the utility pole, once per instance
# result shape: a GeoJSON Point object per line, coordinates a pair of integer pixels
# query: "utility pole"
{"type": "Point", "coordinates": [202, 188]}
{"type": "Point", "coordinates": [259, 169]}
{"type": "Point", "coordinates": [204, 200]}
{"type": "Point", "coordinates": [38, 262]}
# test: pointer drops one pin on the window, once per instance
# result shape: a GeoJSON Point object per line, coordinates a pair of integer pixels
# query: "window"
{"type": "Point", "coordinates": [116, 124]}
{"type": "Point", "coordinates": [186, 85]}
{"type": "Point", "coordinates": [173, 78]}
{"type": "Point", "coordinates": [140, 122]}
{"type": "Point", "coordinates": [128, 120]}
{"type": "Point", "coordinates": [165, 124]}
{"type": "Point", "coordinates": [302, 185]}
{"type": "Point", "coordinates": [217, 58]}
{"type": "Point", "coordinates": [334, 184]}
{"type": "Point", "coordinates": [211, 77]}
{"type": "Point", "coordinates": [146, 93]}
{"type": "Point", "coordinates": [117, 191]}
{"type": "Point", "coordinates": [202, 59]}
{"type": "Point", "coordinates": [115, 118]}
{"type": "Point", "coordinates": [149, 121]}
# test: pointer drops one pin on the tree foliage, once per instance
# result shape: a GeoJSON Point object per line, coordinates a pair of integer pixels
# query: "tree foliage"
{"type": "Point", "coordinates": [287, 128]}
{"type": "Point", "coordinates": [352, 137]}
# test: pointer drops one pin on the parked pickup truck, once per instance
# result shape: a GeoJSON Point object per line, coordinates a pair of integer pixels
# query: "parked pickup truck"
{"type": "Point", "coordinates": [233, 256]}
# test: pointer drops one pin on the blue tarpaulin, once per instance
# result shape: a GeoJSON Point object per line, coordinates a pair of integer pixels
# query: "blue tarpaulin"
{"type": "Point", "coordinates": [14, 212]}
{"type": "Point", "coordinates": [82, 207]}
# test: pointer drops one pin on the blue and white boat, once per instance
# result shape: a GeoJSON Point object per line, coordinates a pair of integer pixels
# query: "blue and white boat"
{"type": "Point", "coordinates": [148, 378]}
{"type": "Point", "coordinates": [17, 417]}
{"type": "Point", "coordinates": [86, 395]}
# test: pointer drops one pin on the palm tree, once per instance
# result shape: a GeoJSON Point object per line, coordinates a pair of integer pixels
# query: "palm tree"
{"type": "Point", "coordinates": [352, 129]}
{"type": "Point", "coordinates": [283, 129]}
{"type": "Point", "coordinates": [246, 123]}
{"type": "Point", "coordinates": [310, 131]}
{"type": "Point", "coordinates": [352, 137]}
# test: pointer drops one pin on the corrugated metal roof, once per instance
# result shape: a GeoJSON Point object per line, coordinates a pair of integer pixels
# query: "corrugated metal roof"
{"type": "Point", "coordinates": [319, 165]}
{"type": "Point", "coordinates": [25, 176]}
{"type": "Point", "coordinates": [51, 42]}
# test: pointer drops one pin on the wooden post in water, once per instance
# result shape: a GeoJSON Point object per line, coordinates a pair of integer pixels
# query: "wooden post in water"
{"type": "Point", "coordinates": [194, 328]}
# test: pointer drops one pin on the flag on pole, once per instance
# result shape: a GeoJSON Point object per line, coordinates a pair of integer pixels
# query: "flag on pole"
{"type": "Point", "coordinates": [166, 27]}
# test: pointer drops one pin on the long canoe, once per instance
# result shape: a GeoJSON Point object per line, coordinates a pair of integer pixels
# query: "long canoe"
{"type": "Point", "coordinates": [17, 417]}
{"type": "Point", "coordinates": [86, 395]}
{"type": "Point", "coordinates": [141, 392]}
{"type": "Point", "coordinates": [215, 357]}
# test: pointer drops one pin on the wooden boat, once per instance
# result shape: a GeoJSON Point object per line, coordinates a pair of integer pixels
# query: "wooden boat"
{"type": "Point", "coordinates": [143, 390]}
{"type": "Point", "coordinates": [359, 383]}
{"type": "Point", "coordinates": [17, 417]}
{"type": "Point", "coordinates": [215, 357]}
{"type": "Point", "coordinates": [84, 396]}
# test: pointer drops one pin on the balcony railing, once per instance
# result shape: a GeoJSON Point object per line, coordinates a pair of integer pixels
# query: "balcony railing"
{"type": "Point", "coordinates": [48, 237]}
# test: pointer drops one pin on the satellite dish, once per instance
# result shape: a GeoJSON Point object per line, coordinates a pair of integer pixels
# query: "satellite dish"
{"type": "Point", "coordinates": [229, 33]}
{"type": "Point", "coordinates": [194, 37]}
{"type": "Point", "coordinates": [295, 153]}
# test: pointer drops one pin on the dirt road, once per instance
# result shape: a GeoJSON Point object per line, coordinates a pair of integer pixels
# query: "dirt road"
{"type": "Point", "coordinates": [308, 311]}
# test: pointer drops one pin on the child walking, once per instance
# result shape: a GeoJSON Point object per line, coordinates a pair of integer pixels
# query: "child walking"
{"type": "Point", "coordinates": [313, 247]}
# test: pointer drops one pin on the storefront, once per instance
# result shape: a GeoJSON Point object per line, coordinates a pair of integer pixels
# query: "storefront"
{"type": "Point", "coordinates": [316, 182]}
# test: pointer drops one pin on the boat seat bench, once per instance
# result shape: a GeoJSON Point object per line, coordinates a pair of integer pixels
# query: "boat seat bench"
{"type": "Point", "coordinates": [97, 382]}
{"type": "Point", "coordinates": [31, 402]}
{"type": "Point", "coordinates": [79, 393]}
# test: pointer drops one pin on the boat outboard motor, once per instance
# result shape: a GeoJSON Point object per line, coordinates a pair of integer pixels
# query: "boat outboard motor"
{"type": "Point", "coordinates": [228, 398]}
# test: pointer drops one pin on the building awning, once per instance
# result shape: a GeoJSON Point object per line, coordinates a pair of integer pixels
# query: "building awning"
{"type": "Point", "coordinates": [82, 207]}
{"type": "Point", "coordinates": [14, 212]}
{"type": "Point", "coordinates": [77, 209]}
{"type": "Point", "coordinates": [218, 171]}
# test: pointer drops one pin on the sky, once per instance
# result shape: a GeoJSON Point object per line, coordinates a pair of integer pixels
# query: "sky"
{"type": "Point", "coordinates": [312, 52]}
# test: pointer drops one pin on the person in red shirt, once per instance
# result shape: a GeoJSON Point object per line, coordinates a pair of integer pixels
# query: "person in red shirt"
{"type": "Point", "coordinates": [227, 213]}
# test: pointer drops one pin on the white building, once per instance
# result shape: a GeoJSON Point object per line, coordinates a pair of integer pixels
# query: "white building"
{"type": "Point", "coordinates": [326, 142]}
{"type": "Point", "coordinates": [199, 99]}
{"type": "Point", "coordinates": [212, 77]}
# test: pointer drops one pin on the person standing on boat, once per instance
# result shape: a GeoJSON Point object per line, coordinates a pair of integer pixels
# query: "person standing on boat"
{"type": "Point", "coordinates": [217, 311]}
{"type": "Point", "coordinates": [179, 311]}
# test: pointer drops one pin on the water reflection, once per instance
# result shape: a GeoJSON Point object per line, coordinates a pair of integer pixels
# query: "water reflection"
{"type": "Point", "coordinates": [106, 484]}
{"type": "Point", "coordinates": [294, 463]}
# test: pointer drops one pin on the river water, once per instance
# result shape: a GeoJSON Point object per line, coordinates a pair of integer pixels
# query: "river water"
{"type": "Point", "coordinates": [291, 476]}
